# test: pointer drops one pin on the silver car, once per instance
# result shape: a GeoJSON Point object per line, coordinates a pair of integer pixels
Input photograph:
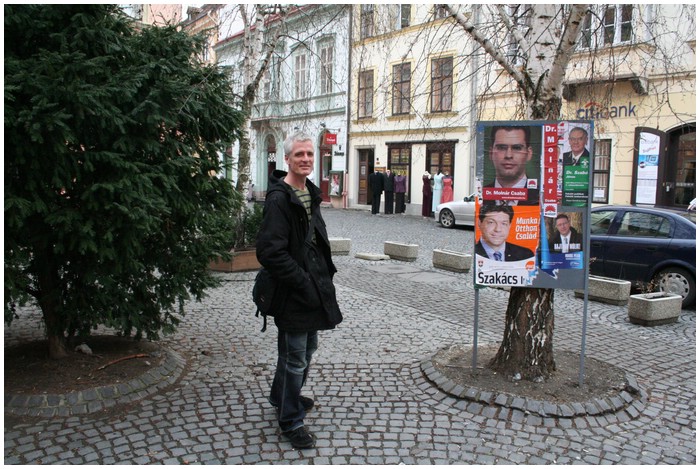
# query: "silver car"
{"type": "Point", "coordinates": [456, 212]}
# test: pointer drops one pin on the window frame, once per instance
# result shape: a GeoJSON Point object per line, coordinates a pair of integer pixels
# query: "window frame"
{"type": "Point", "coordinates": [601, 173]}
{"type": "Point", "coordinates": [301, 74]}
{"type": "Point", "coordinates": [401, 89]}
{"type": "Point", "coordinates": [404, 15]}
{"type": "Point", "coordinates": [444, 84]}
{"type": "Point", "coordinates": [365, 94]}
{"type": "Point", "coordinates": [366, 20]}
{"type": "Point", "coordinates": [325, 83]}
{"type": "Point", "coordinates": [445, 157]}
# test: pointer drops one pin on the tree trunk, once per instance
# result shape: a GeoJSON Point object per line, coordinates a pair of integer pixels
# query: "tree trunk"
{"type": "Point", "coordinates": [527, 340]}
{"type": "Point", "coordinates": [48, 288]}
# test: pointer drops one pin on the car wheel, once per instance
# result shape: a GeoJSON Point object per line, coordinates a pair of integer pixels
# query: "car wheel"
{"type": "Point", "coordinates": [447, 218]}
{"type": "Point", "coordinates": [677, 281]}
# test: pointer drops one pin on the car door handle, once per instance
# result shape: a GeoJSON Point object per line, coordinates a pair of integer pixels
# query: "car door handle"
{"type": "Point", "coordinates": [597, 244]}
{"type": "Point", "coordinates": [652, 248]}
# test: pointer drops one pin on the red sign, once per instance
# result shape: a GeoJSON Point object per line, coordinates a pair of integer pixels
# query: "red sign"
{"type": "Point", "coordinates": [330, 139]}
{"type": "Point", "coordinates": [550, 161]}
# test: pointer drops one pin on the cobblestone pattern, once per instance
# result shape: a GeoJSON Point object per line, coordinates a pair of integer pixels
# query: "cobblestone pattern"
{"type": "Point", "coordinates": [373, 404]}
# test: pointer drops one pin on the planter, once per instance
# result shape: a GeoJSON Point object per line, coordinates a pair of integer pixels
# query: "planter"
{"type": "Point", "coordinates": [654, 309]}
{"type": "Point", "coordinates": [401, 251]}
{"type": "Point", "coordinates": [451, 260]}
{"type": "Point", "coordinates": [241, 261]}
{"type": "Point", "coordinates": [340, 246]}
{"type": "Point", "coordinates": [607, 290]}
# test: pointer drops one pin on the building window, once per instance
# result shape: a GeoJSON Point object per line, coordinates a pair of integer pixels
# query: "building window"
{"type": "Point", "coordinates": [601, 170]}
{"type": "Point", "coordinates": [266, 86]}
{"type": "Point", "coordinates": [441, 85]}
{"type": "Point", "coordinates": [617, 24]}
{"type": "Point", "coordinates": [587, 31]}
{"type": "Point", "coordinates": [400, 159]}
{"type": "Point", "coordinates": [404, 15]}
{"type": "Point", "coordinates": [440, 158]}
{"type": "Point", "coordinates": [326, 67]}
{"type": "Point", "coordinates": [366, 21]}
{"type": "Point", "coordinates": [301, 74]}
{"type": "Point", "coordinates": [365, 101]}
{"type": "Point", "coordinates": [440, 12]}
{"type": "Point", "coordinates": [401, 92]}
{"type": "Point", "coordinates": [518, 15]}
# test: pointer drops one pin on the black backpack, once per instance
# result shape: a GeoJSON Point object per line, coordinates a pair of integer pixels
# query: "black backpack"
{"type": "Point", "coordinates": [264, 291]}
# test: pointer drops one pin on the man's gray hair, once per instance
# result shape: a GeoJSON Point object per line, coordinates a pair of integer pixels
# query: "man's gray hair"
{"type": "Point", "coordinates": [295, 137]}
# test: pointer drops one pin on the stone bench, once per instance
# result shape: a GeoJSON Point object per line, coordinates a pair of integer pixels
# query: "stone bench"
{"type": "Point", "coordinates": [607, 290]}
{"type": "Point", "coordinates": [451, 260]}
{"type": "Point", "coordinates": [401, 251]}
{"type": "Point", "coordinates": [340, 246]}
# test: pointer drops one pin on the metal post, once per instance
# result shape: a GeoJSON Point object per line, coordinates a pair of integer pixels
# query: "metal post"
{"type": "Point", "coordinates": [476, 328]}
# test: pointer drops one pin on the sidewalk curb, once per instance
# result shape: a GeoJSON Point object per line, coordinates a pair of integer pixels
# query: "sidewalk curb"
{"type": "Point", "coordinates": [87, 401]}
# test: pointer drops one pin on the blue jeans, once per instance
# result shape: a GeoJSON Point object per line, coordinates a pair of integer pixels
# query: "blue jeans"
{"type": "Point", "coordinates": [294, 351]}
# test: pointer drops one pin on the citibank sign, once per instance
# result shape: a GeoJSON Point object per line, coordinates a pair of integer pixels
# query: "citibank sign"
{"type": "Point", "coordinates": [593, 110]}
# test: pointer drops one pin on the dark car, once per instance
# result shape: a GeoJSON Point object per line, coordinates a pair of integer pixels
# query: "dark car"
{"type": "Point", "coordinates": [650, 247]}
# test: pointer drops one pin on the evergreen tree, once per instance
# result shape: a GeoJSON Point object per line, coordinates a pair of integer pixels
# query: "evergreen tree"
{"type": "Point", "coordinates": [113, 137]}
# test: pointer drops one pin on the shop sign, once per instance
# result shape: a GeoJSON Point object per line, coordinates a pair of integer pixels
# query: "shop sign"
{"type": "Point", "coordinates": [330, 139]}
{"type": "Point", "coordinates": [593, 110]}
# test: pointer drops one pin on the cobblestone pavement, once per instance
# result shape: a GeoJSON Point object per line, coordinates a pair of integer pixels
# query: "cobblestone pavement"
{"type": "Point", "coordinates": [373, 404]}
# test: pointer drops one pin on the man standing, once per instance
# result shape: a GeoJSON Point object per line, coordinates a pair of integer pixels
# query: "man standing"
{"type": "Point", "coordinates": [578, 156]}
{"type": "Point", "coordinates": [293, 245]}
{"type": "Point", "coordinates": [376, 185]}
{"type": "Point", "coordinates": [494, 224]}
{"type": "Point", "coordinates": [510, 153]}
{"type": "Point", "coordinates": [567, 238]}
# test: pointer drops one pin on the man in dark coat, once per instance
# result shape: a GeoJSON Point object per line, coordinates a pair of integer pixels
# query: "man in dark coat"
{"type": "Point", "coordinates": [305, 301]}
{"type": "Point", "coordinates": [494, 225]}
{"type": "Point", "coordinates": [376, 185]}
{"type": "Point", "coordinates": [567, 238]}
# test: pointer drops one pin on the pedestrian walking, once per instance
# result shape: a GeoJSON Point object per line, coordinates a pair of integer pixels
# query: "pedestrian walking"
{"type": "Point", "coordinates": [293, 245]}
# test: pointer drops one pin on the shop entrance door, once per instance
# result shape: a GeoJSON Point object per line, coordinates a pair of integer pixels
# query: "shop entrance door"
{"type": "Point", "coordinates": [679, 175]}
{"type": "Point", "coordinates": [366, 167]}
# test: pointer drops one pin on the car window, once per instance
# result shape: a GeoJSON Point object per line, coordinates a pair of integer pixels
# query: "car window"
{"type": "Point", "coordinates": [601, 221]}
{"type": "Point", "coordinates": [645, 225]}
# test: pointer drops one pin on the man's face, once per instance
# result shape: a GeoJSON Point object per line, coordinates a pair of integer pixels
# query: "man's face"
{"type": "Point", "coordinates": [301, 159]}
{"type": "Point", "coordinates": [510, 154]}
{"type": "Point", "coordinates": [563, 226]}
{"type": "Point", "coordinates": [495, 228]}
{"type": "Point", "coordinates": [577, 141]}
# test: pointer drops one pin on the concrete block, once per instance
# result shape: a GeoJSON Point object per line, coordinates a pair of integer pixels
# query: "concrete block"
{"type": "Point", "coordinates": [340, 246]}
{"type": "Point", "coordinates": [654, 309]}
{"type": "Point", "coordinates": [369, 256]}
{"type": "Point", "coordinates": [401, 251]}
{"type": "Point", "coordinates": [607, 290]}
{"type": "Point", "coordinates": [451, 260]}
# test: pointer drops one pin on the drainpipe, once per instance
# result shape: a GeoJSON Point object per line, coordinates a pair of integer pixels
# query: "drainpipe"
{"type": "Point", "coordinates": [347, 123]}
{"type": "Point", "coordinates": [474, 109]}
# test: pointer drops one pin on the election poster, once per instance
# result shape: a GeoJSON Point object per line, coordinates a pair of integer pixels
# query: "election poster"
{"type": "Point", "coordinates": [533, 193]}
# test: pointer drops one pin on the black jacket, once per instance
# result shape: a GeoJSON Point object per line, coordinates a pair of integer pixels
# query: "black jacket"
{"type": "Point", "coordinates": [305, 293]}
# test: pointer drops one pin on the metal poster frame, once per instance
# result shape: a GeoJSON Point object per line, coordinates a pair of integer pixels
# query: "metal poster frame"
{"type": "Point", "coordinates": [555, 189]}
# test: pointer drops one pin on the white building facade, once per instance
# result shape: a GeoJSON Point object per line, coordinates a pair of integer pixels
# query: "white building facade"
{"type": "Point", "coordinates": [303, 89]}
{"type": "Point", "coordinates": [411, 100]}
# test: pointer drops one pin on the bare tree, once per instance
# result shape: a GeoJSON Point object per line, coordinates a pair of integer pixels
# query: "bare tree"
{"type": "Point", "coordinates": [259, 47]}
{"type": "Point", "coordinates": [544, 36]}
{"type": "Point", "coordinates": [529, 49]}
